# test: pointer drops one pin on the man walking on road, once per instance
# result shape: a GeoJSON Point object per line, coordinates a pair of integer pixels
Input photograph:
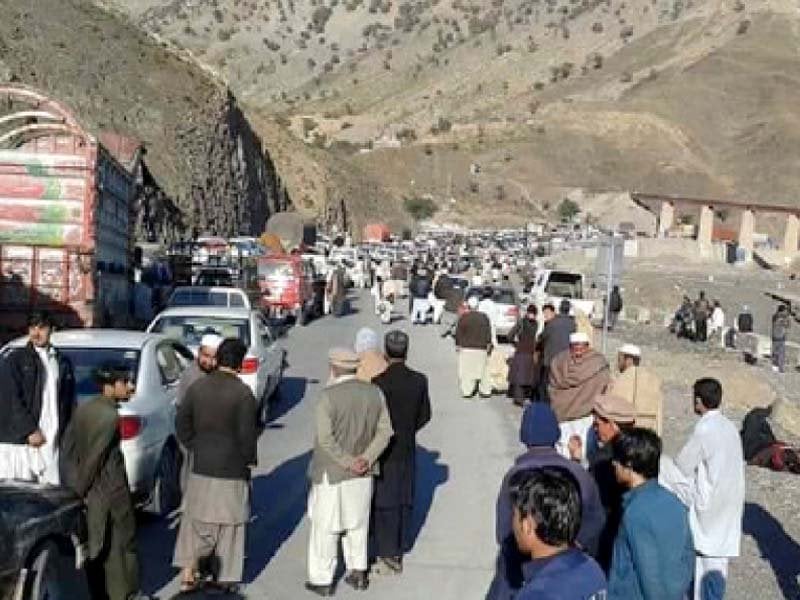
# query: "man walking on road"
{"type": "Point", "coordinates": [709, 479]}
{"type": "Point", "coordinates": [577, 376]}
{"type": "Point", "coordinates": [353, 428]}
{"type": "Point", "coordinates": [216, 422]}
{"type": "Point", "coordinates": [37, 401]}
{"type": "Point", "coordinates": [614, 307]}
{"type": "Point", "coordinates": [473, 344]}
{"type": "Point", "coordinates": [406, 393]}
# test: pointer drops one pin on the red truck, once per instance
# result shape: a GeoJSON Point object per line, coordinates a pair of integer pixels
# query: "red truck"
{"type": "Point", "coordinates": [65, 217]}
{"type": "Point", "coordinates": [376, 232]}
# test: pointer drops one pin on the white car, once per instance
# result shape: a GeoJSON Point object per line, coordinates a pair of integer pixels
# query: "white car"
{"type": "Point", "coordinates": [263, 365]}
{"type": "Point", "coordinates": [147, 420]}
{"type": "Point", "coordinates": [196, 295]}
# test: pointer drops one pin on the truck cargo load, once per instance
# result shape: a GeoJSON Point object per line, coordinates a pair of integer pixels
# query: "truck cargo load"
{"type": "Point", "coordinates": [376, 232]}
{"type": "Point", "coordinates": [292, 229]}
{"type": "Point", "coordinates": [65, 226]}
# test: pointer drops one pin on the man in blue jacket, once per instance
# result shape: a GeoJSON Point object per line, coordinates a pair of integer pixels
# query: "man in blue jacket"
{"type": "Point", "coordinates": [539, 433]}
{"type": "Point", "coordinates": [653, 553]}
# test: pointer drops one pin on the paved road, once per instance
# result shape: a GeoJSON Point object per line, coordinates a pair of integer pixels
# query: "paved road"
{"type": "Point", "coordinates": [463, 453]}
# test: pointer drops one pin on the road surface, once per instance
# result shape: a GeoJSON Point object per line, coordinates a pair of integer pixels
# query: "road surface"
{"type": "Point", "coordinates": [463, 453]}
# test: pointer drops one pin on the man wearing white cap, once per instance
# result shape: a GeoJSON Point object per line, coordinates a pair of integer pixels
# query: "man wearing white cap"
{"type": "Point", "coordinates": [353, 428]}
{"type": "Point", "coordinates": [205, 363]}
{"type": "Point", "coordinates": [640, 387]}
{"type": "Point", "coordinates": [577, 376]}
{"type": "Point", "coordinates": [473, 343]}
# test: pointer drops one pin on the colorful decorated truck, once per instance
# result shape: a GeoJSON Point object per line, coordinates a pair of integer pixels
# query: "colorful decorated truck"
{"type": "Point", "coordinates": [65, 223]}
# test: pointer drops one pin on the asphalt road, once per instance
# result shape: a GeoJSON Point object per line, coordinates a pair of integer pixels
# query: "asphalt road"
{"type": "Point", "coordinates": [463, 453]}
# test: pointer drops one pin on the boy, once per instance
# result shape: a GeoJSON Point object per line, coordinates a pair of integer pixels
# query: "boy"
{"type": "Point", "coordinates": [547, 516]}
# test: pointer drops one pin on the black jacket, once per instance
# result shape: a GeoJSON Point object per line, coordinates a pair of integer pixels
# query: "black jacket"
{"type": "Point", "coordinates": [22, 380]}
{"type": "Point", "coordinates": [217, 421]}
{"type": "Point", "coordinates": [409, 406]}
{"type": "Point", "coordinates": [474, 330]}
{"type": "Point", "coordinates": [555, 337]}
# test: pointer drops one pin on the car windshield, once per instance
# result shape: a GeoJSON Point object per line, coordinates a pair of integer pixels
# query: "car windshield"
{"type": "Point", "coordinates": [84, 361]}
{"type": "Point", "coordinates": [199, 298]}
{"type": "Point", "coordinates": [189, 329]}
{"type": "Point", "coordinates": [215, 279]}
{"type": "Point", "coordinates": [275, 270]}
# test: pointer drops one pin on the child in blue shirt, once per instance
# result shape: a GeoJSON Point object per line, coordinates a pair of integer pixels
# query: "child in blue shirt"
{"type": "Point", "coordinates": [547, 517]}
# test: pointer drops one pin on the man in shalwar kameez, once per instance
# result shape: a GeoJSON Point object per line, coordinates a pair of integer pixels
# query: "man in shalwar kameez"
{"type": "Point", "coordinates": [352, 430]}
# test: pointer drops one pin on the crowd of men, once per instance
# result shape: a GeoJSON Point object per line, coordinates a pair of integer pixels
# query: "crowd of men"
{"type": "Point", "coordinates": [592, 509]}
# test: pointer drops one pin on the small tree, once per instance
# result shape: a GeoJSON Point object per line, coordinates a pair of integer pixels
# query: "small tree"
{"type": "Point", "coordinates": [420, 208]}
{"type": "Point", "coordinates": [568, 210]}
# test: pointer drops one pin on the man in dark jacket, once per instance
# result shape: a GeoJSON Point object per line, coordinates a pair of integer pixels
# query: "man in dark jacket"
{"type": "Point", "coordinates": [409, 406]}
{"type": "Point", "coordinates": [37, 401]}
{"type": "Point", "coordinates": [614, 307]}
{"type": "Point", "coordinates": [555, 335]}
{"type": "Point", "coordinates": [216, 422]}
{"type": "Point", "coordinates": [539, 433]}
{"type": "Point", "coordinates": [95, 469]}
{"type": "Point", "coordinates": [702, 310]}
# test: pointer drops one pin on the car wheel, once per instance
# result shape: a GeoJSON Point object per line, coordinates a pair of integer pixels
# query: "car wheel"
{"type": "Point", "coordinates": [167, 482]}
{"type": "Point", "coordinates": [52, 575]}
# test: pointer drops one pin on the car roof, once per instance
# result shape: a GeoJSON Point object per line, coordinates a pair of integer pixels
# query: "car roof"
{"type": "Point", "coordinates": [96, 338]}
{"type": "Point", "coordinates": [206, 311]}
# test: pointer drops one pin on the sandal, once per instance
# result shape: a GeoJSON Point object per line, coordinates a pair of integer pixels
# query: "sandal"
{"type": "Point", "coordinates": [188, 586]}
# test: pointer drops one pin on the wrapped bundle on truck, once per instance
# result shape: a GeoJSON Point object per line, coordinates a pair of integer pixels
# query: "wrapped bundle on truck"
{"type": "Point", "coordinates": [376, 232]}
{"type": "Point", "coordinates": [292, 229]}
{"type": "Point", "coordinates": [65, 227]}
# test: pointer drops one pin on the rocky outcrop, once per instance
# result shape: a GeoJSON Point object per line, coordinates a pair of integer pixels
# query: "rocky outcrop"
{"type": "Point", "coordinates": [206, 170]}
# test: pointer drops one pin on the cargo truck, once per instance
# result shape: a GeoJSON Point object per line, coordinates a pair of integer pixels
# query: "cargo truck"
{"type": "Point", "coordinates": [65, 222]}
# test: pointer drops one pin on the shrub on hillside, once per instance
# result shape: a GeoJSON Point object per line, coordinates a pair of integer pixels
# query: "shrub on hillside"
{"type": "Point", "coordinates": [420, 208]}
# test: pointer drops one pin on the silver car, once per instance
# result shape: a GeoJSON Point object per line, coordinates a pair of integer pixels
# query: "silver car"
{"type": "Point", "coordinates": [263, 365]}
{"type": "Point", "coordinates": [147, 420]}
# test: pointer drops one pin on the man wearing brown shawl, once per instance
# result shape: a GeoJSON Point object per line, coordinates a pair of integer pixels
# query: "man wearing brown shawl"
{"type": "Point", "coordinates": [577, 376]}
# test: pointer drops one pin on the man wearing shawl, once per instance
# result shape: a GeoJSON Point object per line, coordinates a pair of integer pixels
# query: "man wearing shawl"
{"type": "Point", "coordinates": [577, 376]}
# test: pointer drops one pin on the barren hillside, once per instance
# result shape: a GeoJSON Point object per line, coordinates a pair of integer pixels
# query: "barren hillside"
{"type": "Point", "coordinates": [201, 153]}
{"type": "Point", "coordinates": [544, 96]}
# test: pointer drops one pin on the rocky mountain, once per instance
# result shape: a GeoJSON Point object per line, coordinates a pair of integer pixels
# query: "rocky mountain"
{"type": "Point", "coordinates": [206, 168]}
{"type": "Point", "coordinates": [498, 109]}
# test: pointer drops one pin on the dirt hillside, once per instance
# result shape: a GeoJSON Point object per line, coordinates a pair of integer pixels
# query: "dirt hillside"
{"type": "Point", "coordinates": [543, 97]}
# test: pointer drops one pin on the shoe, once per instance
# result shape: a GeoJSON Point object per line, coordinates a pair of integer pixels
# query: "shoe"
{"type": "Point", "coordinates": [357, 580]}
{"type": "Point", "coordinates": [320, 590]}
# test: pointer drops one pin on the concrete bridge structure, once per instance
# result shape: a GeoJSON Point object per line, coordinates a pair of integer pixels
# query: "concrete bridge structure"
{"type": "Point", "coordinates": [705, 223]}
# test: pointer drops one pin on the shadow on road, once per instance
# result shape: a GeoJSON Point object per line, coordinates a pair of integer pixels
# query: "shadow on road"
{"type": "Point", "coordinates": [430, 475]}
{"type": "Point", "coordinates": [291, 392]}
{"type": "Point", "coordinates": [776, 546]}
{"type": "Point", "coordinates": [156, 544]}
{"type": "Point", "coordinates": [278, 505]}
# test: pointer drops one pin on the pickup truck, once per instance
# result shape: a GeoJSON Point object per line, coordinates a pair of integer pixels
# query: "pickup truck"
{"type": "Point", "coordinates": [554, 286]}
